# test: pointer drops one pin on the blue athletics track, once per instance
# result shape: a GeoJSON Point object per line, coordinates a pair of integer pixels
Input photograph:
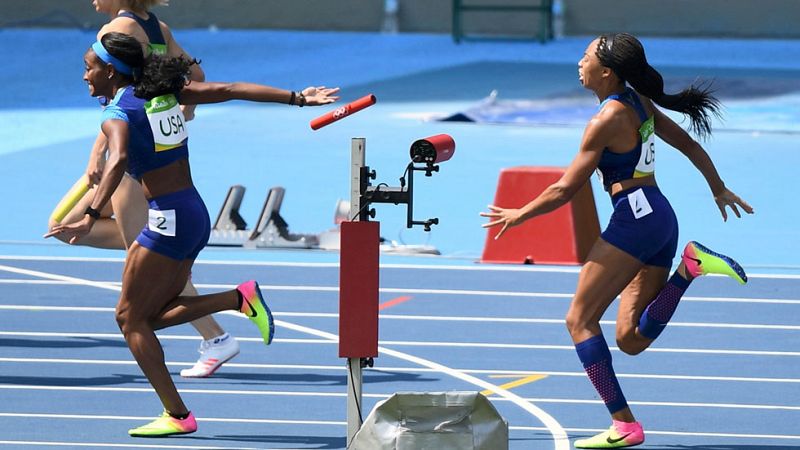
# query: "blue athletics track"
{"type": "Point", "coordinates": [724, 376]}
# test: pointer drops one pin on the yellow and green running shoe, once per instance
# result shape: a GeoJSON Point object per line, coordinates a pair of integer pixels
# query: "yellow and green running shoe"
{"type": "Point", "coordinates": [166, 425]}
{"type": "Point", "coordinates": [620, 435]}
{"type": "Point", "coordinates": [699, 260]}
{"type": "Point", "coordinates": [255, 308]}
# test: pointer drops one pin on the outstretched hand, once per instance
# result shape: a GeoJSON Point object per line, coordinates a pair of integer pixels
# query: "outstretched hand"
{"type": "Point", "coordinates": [75, 230]}
{"type": "Point", "coordinates": [502, 216]}
{"type": "Point", "coordinates": [728, 199]}
{"type": "Point", "coordinates": [321, 95]}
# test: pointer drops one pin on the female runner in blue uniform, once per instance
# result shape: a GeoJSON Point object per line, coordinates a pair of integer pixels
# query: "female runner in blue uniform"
{"type": "Point", "coordinates": [126, 213]}
{"type": "Point", "coordinates": [633, 256]}
{"type": "Point", "coordinates": [147, 138]}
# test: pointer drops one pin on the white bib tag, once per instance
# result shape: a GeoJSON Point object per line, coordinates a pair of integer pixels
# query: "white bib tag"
{"type": "Point", "coordinates": [599, 176]}
{"type": "Point", "coordinates": [639, 204]}
{"type": "Point", "coordinates": [647, 161]}
{"type": "Point", "coordinates": [162, 222]}
{"type": "Point", "coordinates": [166, 122]}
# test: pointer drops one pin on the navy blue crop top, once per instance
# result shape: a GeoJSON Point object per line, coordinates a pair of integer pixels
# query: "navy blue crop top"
{"type": "Point", "coordinates": [638, 162]}
{"type": "Point", "coordinates": [156, 128]}
{"type": "Point", "coordinates": [152, 28]}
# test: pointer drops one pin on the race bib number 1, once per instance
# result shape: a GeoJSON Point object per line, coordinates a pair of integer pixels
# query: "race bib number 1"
{"type": "Point", "coordinates": [166, 122]}
{"type": "Point", "coordinates": [162, 222]}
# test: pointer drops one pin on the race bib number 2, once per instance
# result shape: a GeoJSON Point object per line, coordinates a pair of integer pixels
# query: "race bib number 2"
{"type": "Point", "coordinates": [166, 122]}
{"type": "Point", "coordinates": [162, 222]}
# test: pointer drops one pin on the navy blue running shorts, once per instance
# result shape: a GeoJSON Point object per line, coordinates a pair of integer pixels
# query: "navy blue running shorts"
{"type": "Point", "coordinates": [643, 225]}
{"type": "Point", "coordinates": [178, 225]}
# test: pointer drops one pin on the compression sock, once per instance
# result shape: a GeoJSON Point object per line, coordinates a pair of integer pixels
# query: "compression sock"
{"type": "Point", "coordinates": [657, 314]}
{"type": "Point", "coordinates": [596, 359]}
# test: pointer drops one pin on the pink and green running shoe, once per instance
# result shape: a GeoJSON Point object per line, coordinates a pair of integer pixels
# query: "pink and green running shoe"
{"type": "Point", "coordinates": [166, 425]}
{"type": "Point", "coordinates": [620, 435]}
{"type": "Point", "coordinates": [255, 308]}
{"type": "Point", "coordinates": [699, 260]}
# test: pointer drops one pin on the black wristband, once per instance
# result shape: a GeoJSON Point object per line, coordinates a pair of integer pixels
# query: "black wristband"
{"type": "Point", "coordinates": [93, 213]}
{"type": "Point", "coordinates": [301, 100]}
{"type": "Point", "coordinates": [292, 98]}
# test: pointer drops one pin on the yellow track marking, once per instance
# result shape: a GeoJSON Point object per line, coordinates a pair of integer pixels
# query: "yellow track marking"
{"type": "Point", "coordinates": [515, 383]}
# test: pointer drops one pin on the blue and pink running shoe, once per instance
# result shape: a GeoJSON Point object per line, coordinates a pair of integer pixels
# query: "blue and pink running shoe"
{"type": "Point", "coordinates": [699, 260]}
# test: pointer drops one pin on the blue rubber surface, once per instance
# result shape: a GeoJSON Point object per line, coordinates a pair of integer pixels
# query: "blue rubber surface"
{"type": "Point", "coordinates": [722, 376]}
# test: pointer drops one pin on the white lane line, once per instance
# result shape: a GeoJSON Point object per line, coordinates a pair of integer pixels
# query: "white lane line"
{"type": "Point", "coordinates": [17, 444]}
{"type": "Point", "coordinates": [481, 345]}
{"type": "Point", "coordinates": [433, 266]}
{"type": "Point", "coordinates": [560, 322]}
{"type": "Point", "coordinates": [342, 424]}
{"type": "Point", "coordinates": [270, 393]}
{"type": "Point", "coordinates": [677, 433]}
{"type": "Point", "coordinates": [560, 439]}
{"type": "Point", "coordinates": [571, 348]}
{"type": "Point", "coordinates": [200, 419]}
{"type": "Point", "coordinates": [70, 280]}
{"type": "Point", "coordinates": [521, 373]}
{"type": "Point", "coordinates": [458, 292]}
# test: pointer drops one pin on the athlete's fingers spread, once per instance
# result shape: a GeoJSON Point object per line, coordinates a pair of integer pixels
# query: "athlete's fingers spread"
{"type": "Point", "coordinates": [493, 223]}
{"type": "Point", "coordinates": [735, 210]}
{"type": "Point", "coordinates": [503, 230]}
{"type": "Point", "coordinates": [723, 212]}
{"type": "Point", "coordinates": [745, 206]}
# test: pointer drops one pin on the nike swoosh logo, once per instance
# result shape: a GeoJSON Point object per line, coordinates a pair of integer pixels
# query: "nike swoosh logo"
{"type": "Point", "coordinates": [252, 310]}
{"type": "Point", "coordinates": [695, 260]}
{"type": "Point", "coordinates": [614, 441]}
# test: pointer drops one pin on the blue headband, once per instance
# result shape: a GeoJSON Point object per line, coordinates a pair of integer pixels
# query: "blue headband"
{"type": "Point", "coordinates": [106, 57]}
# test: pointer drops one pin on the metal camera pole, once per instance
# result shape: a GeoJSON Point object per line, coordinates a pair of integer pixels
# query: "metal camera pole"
{"type": "Point", "coordinates": [355, 377]}
{"type": "Point", "coordinates": [359, 259]}
{"type": "Point", "coordinates": [358, 290]}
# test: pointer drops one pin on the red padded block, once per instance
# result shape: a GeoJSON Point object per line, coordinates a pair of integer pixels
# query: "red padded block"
{"type": "Point", "coordinates": [358, 289]}
{"type": "Point", "coordinates": [563, 236]}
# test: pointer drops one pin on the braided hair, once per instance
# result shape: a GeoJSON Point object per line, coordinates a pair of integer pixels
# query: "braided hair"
{"type": "Point", "coordinates": [624, 54]}
{"type": "Point", "coordinates": [152, 76]}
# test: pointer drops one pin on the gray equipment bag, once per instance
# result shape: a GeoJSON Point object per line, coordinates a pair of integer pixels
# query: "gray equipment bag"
{"type": "Point", "coordinates": [435, 421]}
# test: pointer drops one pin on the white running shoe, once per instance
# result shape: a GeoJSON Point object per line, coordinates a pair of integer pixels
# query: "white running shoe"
{"type": "Point", "coordinates": [213, 354]}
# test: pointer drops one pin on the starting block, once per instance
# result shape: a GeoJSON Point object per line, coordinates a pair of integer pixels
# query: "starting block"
{"type": "Point", "coordinates": [271, 230]}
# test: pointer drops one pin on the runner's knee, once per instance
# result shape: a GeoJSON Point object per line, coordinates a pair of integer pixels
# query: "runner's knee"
{"type": "Point", "coordinates": [129, 318]}
{"type": "Point", "coordinates": [628, 341]}
{"type": "Point", "coordinates": [577, 324]}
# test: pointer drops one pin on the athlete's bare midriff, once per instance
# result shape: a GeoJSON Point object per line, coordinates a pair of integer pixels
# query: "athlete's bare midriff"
{"type": "Point", "coordinates": [173, 177]}
{"type": "Point", "coordinates": [630, 183]}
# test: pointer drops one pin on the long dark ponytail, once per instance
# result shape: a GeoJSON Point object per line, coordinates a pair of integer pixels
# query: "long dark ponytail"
{"type": "Point", "coordinates": [624, 54]}
{"type": "Point", "coordinates": [152, 76]}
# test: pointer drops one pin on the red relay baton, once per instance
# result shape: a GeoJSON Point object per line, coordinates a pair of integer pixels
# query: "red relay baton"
{"type": "Point", "coordinates": [343, 111]}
